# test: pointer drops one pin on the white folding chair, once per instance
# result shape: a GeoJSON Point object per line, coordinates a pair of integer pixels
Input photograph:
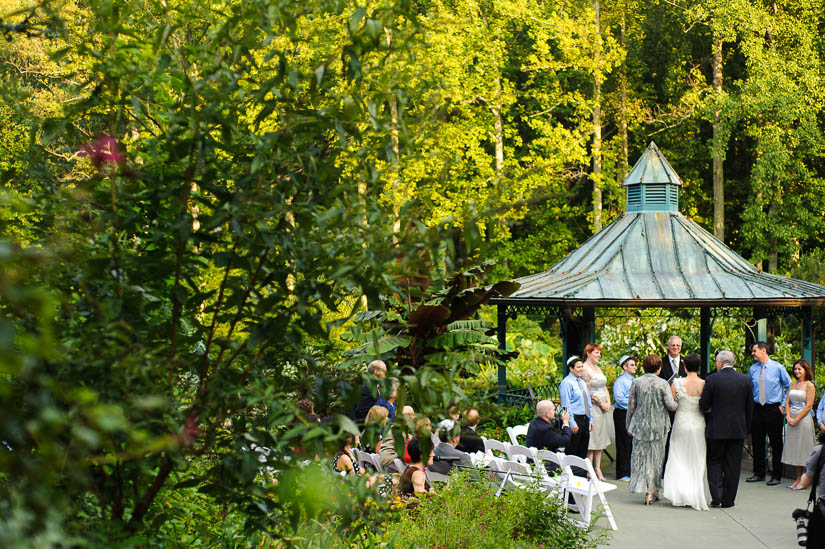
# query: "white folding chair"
{"type": "Point", "coordinates": [513, 474]}
{"type": "Point", "coordinates": [491, 444]}
{"type": "Point", "coordinates": [366, 462]}
{"type": "Point", "coordinates": [399, 465]}
{"type": "Point", "coordinates": [433, 477]}
{"type": "Point", "coordinates": [517, 431]}
{"type": "Point", "coordinates": [583, 489]}
{"type": "Point", "coordinates": [520, 453]}
{"type": "Point", "coordinates": [376, 462]}
{"type": "Point", "coordinates": [553, 457]}
{"type": "Point", "coordinates": [557, 481]}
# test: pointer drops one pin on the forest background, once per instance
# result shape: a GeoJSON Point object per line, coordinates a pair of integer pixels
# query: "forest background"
{"type": "Point", "coordinates": [202, 202]}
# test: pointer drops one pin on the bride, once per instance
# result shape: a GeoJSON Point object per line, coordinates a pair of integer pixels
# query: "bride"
{"type": "Point", "coordinates": [685, 474]}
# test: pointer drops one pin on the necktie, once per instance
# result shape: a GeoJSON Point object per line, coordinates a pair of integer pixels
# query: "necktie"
{"type": "Point", "coordinates": [585, 396]}
{"type": "Point", "coordinates": [762, 397]}
{"type": "Point", "coordinates": [674, 366]}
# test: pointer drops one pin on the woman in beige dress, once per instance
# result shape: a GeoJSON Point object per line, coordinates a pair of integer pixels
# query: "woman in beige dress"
{"type": "Point", "coordinates": [600, 406]}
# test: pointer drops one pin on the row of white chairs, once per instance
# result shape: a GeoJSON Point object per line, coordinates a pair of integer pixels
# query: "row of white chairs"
{"type": "Point", "coordinates": [583, 489]}
{"type": "Point", "coordinates": [368, 460]}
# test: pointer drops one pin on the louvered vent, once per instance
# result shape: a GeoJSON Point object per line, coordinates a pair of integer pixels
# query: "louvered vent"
{"type": "Point", "coordinates": [655, 195]}
{"type": "Point", "coordinates": [634, 197]}
{"type": "Point", "coordinates": [674, 197]}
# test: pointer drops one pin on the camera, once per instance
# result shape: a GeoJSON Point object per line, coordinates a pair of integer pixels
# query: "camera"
{"type": "Point", "coordinates": [558, 422]}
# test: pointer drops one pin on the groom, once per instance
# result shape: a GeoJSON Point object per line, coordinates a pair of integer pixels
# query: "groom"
{"type": "Point", "coordinates": [728, 400]}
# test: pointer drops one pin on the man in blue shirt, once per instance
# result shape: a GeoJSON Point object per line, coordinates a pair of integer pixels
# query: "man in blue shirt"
{"type": "Point", "coordinates": [820, 411]}
{"type": "Point", "coordinates": [576, 398]}
{"type": "Point", "coordinates": [770, 385]}
{"type": "Point", "coordinates": [621, 395]}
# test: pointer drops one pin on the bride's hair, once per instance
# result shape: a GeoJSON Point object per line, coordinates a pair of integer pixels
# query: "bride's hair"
{"type": "Point", "coordinates": [692, 362]}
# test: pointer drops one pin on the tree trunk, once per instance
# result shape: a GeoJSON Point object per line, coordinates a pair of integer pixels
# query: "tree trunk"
{"type": "Point", "coordinates": [624, 166]}
{"type": "Point", "coordinates": [718, 176]}
{"type": "Point", "coordinates": [597, 129]}
{"type": "Point", "coordinates": [499, 144]}
{"type": "Point", "coordinates": [397, 199]}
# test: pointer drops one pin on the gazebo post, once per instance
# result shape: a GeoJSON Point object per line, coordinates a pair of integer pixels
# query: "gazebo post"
{"type": "Point", "coordinates": [704, 337]}
{"type": "Point", "coordinates": [502, 344]}
{"type": "Point", "coordinates": [807, 336]}
{"type": "Point", "coordinates": [761, 317]}
{"type": "Point", "coordinates": [589, 317]}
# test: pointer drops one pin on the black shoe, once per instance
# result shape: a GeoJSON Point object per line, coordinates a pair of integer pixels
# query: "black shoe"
{"type": "Point", "coordinates": [726, 505]}
{"type": "Point", "coordinates": [773, 482]}
{"type": "Point", "coordinates": [755, 478]}
{"type": "Point", "coordinates": [715, 504]}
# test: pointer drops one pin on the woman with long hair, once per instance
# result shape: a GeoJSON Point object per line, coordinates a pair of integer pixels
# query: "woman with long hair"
{"type": "Point", "coordinates": [799, 437]}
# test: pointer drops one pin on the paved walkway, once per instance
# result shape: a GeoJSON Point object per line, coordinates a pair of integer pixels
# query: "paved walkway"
{"type": "Point", "coordinates": [760, 518]}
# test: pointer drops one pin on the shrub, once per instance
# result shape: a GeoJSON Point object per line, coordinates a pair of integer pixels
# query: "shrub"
{"type": "Point", "coordinates": [468, 514]}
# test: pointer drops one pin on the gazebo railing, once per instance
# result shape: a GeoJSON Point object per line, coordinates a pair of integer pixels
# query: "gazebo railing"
{"type": "Point", "coordinates": [530, 395]}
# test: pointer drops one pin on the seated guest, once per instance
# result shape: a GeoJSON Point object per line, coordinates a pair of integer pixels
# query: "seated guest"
{"type": "Point", "coordinates": [344, 461]}
{"type": "Point", "coordinates": [389, 403]}
{"type": "Point", "coordinates": [446, 455]}
{"type": "Point", "coordinates": [470, 441]}
{"type": "Point", "coordinates": [378, 370]}
{"type": "Point", "coordinates": [414, 480]}
{"type": "Point", "coordinates": [374, 426]}
{"type": "Point", "coordinates": [388, 451]}
{"type": "Point", "coordinates": [814, 474]}
{"type": "Point", "coordinates": [542, 435]}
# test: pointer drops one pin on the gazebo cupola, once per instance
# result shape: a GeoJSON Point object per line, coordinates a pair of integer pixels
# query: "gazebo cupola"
{"type": "Point", "coordinates": [652, 185]}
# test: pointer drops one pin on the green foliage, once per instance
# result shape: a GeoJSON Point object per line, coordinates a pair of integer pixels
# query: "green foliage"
{"type": "Point", "coordinates": [496, 418]}
{"type": "Point", "coordinates": [468, 514]}
{"type": "Point", "coordinates": [436, 324]}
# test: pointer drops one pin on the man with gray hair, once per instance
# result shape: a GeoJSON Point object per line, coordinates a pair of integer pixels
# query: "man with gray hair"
{"type": "Point", "coordinates": [542, 435]}
{"type": "Point", "coordinates": [727, 399]}
{"type": "Point", "coordinates": [446, 455]}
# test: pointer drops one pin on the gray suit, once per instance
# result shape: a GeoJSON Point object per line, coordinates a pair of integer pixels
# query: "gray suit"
{"type": "Point", "coordinates": [445, 450]}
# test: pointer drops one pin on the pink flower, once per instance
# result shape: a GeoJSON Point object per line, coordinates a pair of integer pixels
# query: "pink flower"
{"type": "Point", "coordinates": [105, 150]}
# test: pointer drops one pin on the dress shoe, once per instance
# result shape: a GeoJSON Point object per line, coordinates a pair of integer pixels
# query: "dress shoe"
{"type": "Point", "coordinates": [715, 504]}
{"type": "Point", "coordinates": [726, 505]}
{"type": "Point", "coordinates": [755, 478]}
{"type": "Point", "coordinates": [773, 482]}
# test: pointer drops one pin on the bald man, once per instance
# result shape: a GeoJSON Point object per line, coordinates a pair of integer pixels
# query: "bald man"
{"type": "Point", "coordinates": [470, 441]}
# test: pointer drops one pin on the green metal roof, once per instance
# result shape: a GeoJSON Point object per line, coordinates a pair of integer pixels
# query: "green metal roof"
{"type": "Point", "coordinates": [658, 258]}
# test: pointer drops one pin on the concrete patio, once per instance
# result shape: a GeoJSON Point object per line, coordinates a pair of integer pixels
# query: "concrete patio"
{"type": "Point", "coordinates": [760, 518]}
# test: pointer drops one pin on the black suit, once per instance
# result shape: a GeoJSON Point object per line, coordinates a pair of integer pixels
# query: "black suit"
{"type": "Point", "coordinates": [359, 412]}
{"type": "Point", "coordinates": [541, 435]}
{"type": "Point", "coordinates": [667, 368]}
{"type": "Point", "coordinates": [470, 441]}
{"type": "Point", "coordinates": [728, 401]}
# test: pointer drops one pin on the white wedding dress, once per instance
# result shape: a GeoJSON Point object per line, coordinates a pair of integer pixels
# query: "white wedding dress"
{"type": "Point", "coordinates": [685, 481]}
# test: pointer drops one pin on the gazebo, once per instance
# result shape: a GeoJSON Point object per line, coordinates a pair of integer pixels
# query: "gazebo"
{"type": "Point", "coordinates": [652, 256]}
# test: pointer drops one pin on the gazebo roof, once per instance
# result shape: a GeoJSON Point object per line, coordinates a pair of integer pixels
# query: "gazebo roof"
{"type": "Point", "coordinates": [657, 257]}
